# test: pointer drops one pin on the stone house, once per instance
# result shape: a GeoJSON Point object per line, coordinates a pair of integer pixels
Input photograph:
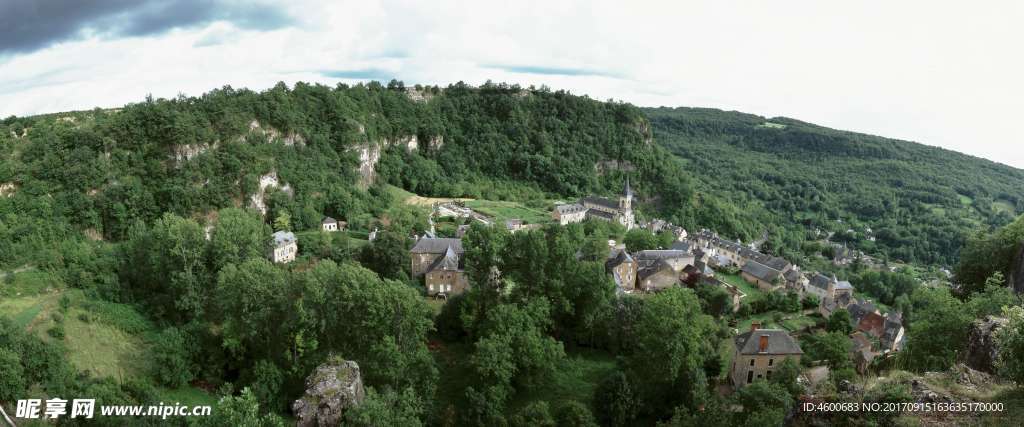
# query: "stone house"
{"type": "Point", "coordinates": [285, 247]}
{"type": "Point", "coordinates": [758, 352]}
{"type": "Point", "coordinates": [599, 208]}
{"type": "Point", "coordinates": [677, 259]}
{"type": "Point", "coordinates": [622, 268]}
{"type": "Point", "coordinates": [766, 278]}
{"type": "Point", "coordinates": [569, 214]}
{"type": "Point", "coordinates": [439, 262]}
{"type": "Point", "coordinates": [656, 276]}
{"type": "Point", "coordinates": [514, 225]}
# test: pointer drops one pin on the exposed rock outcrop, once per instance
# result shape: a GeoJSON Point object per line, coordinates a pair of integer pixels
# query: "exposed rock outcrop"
{"type": "Point", "coordinates": [268, 181]}
{"type": "Point", "coordinates": [274, 135]}
{"type": "Point", "coordinates": [369, 153]}
{"type": "Point", "coordinates": [7, 189]}
{"type": "Point", "coordinates": [982, 349]}
{"type": "Point", "coordinates": [1017, 271]}
{"type": "Point", "coordinates": [332, 389]}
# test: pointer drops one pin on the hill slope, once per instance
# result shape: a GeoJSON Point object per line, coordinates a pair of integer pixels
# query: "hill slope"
{"type": "Point", "coordinates": [919, 202]}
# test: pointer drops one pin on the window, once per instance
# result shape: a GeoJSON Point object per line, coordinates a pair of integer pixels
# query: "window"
{"type": "Point", "coordinates": [751, 362]}
{"type": "Point", "coordinates": [768, 375]}
{"type": "Point", "coordinates": [771, 361]}
{"type": "Point", "coordinates": [431, 288]}
{"type": "Point", "coordinates": [750, 377]}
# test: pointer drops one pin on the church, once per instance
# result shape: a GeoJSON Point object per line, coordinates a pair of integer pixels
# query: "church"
{"type": "Point", "coordinates": [600, 208]}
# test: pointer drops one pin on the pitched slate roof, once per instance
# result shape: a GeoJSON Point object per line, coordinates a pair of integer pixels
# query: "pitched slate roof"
{"type": "Point", "coordinates": [600, 201]}
{"type": "Point", "coordinates": [872, 323]}
{"type": "Point", "coordinates": [652, 269]}
{"type": "Point", "coordinates": [820, 281]}
{"type": "Point", "coordinates": [570, 208]}
{"type": "Point", "coordinates": [652, 254]}
{"type": "Point", "coordinates": [779, 342]}
{"type": "Point", "coordinates": [617, 257]}
{"type": "Point", "coordinates": [600, 214]}
{"type": "Point", "coordinates": [448, 262]}
{"type": "Point", "coordinates": [681, 246]}
{"type": "Point", "coordinates": [761, 271]}
{"type": "Point", "coordinates": [431, 245]}
{"type": "Point", "coordinates": [329, 220]}
{"type": "Point", "coordinates": [793, 275]}
{"type": "Point", "coordinates": [282, 238]}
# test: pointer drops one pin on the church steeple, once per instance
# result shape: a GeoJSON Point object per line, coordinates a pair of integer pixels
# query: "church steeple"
{"type": "Point", "coordinates": [628, 192]}
{"type": "Point", "coordinates": [626, 200]}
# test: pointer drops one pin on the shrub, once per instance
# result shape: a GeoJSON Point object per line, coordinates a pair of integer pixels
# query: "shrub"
{"type": "Point", "coordinates": [57, 331]}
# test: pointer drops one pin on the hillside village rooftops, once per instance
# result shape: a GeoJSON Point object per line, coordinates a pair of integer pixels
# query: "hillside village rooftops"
{"type": "Point", "coordinates": [661, 254]}
{"type": "Point", "coordinates": [681, 246]}
{"type": "Point", "coordinates": [779, 342]}
{"type": "Point", "coordinates": [329, 220]}
{"type": "Point", "coordinates": [599, 213]}
{"type": "Point", "coordinates": [761, 271]}
{"type": "Point", "coordinates": [429, 245]}
{"type": "Point", "coordinates": [282, 238]}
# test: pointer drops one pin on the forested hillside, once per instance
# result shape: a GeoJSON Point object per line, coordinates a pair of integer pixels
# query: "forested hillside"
{"type": "Point", "coordinates": [918, 202]}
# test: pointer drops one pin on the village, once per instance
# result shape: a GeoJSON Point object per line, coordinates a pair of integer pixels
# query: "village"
{"type": "Point", "coordinates": [761, 341]}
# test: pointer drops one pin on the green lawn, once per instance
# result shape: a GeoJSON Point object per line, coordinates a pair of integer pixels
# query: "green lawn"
{"type": "Point", "coordinates": [752, 291]}
{"type": "Point", "coordinates": [101, 348]}
{"type": "Point", "coordinates": [502, 211]}
{"type": "Point", "coordinates": [189, 396]}
{"type": "Point", "coordinates": [964, 200]}
{"type": "Point", "coordinates": [30, 282]}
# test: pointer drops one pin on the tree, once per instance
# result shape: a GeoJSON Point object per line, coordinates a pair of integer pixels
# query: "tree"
{"type": "Point", "coordinates": [534, 414]}
{"type": "Point", "coordinates": [673, 340]}
{"type": "Point", "coordinates": [935, 313]}
{"type": "Point", "coordinates": [573, 413]}
{"type": "Point", "coordinates": [171, 359]}
{"type": "Point", "coordinates": [241, 410]}
{"type": "Point", "coordinates": [388, 408]}
{"type": "Point", "coordinates": [237, 236]}
{"type": "Point", "coordinates": [991, 300]}
{"type": "Point", "coordinates": [615, 404]}
{"type": "Point", "coordinates": [283, 222]}
{"type": "Point", "coordinates": [388, 255]}
{"type": "Point", "coordinates": [1011, 345]}
{"type": "Point", "coordinates": [12, 376]}
{"type": "Point", "coordinates": [840, 322]}
{"type": "Point", "coordinates": [639, 239]}
{"type": "Point", "coordinates": [786, 376]}
{"type": "Point", "coordinates": [764, 403]}
{"type": "Point", "coordinates": [166, 267]}
{"type": "Point", "coordinates": [253, 307]}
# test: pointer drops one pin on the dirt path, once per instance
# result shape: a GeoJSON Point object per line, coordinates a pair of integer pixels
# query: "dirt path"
{"type": "Point", "coordinates": [429, 201]}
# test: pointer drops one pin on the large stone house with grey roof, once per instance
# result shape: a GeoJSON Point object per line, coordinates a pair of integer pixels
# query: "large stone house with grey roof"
{"type": "Point", "coordinates": [759, 352]}
{"type": "Point", "coordinates": [620, 211]}
{"type": "Point", "coordinates": [766, 278]}
{"type": "Point", "coordinates": [439, 262]}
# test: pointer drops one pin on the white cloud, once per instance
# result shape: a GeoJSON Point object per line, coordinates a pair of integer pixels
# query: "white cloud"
{"type": "Point", "coordinates": [944, 75]}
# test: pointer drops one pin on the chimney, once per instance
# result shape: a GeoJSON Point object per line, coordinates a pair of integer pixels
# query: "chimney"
{"type": "Point", "coordinates": [755, 325]}
{"type": "Point", "coordinates": [762, 345]}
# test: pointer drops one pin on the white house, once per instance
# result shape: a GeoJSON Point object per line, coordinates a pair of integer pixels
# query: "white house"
{"type": "Point", "coordinates": [285, 247]}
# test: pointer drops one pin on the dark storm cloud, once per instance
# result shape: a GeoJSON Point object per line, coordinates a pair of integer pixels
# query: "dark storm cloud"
{"type": "Point", "coordinates": [30, 25]}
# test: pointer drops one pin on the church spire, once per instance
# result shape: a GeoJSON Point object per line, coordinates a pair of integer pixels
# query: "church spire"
{"type": "Point", "coordinates": [628, 192]}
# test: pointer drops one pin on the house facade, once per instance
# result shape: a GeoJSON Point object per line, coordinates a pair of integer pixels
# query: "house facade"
{"type": "Point", "coordinates": [331, 225]}
{"type": "Point", "coordinates": [759, 352]}
{"type": "Point", "coordinates": [284, 247]}
{"type": "Point", "coordinates": [623, 269]}
{"type": "Point", "coordinates": [439, 261]}
{"type": "Point", "coordinates": [764, 277]}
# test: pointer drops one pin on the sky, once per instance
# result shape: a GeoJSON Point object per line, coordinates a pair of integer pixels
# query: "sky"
{"type": "Point", "coordinates": [948, 74]}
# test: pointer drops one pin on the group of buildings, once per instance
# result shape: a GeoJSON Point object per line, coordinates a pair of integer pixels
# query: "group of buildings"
{"type": "Point", "coordinates": [618, 211]}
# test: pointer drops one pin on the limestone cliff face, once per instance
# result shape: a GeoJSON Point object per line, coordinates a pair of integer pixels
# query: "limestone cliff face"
{"type": "Point", "coordinates": [268, 181]}
{"type": "Point", "coordinates": [369, 153]}
{"type": "Point", "coordinates": [335, 387]}
{"type": "Point", "coordinates": [982, 349]}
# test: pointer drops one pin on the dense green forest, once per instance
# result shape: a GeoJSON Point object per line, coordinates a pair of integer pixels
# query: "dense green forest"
{"type": "Point", "coordinates": [133, 251]}
{"type": "Point", "coordinates": [919, 202]}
